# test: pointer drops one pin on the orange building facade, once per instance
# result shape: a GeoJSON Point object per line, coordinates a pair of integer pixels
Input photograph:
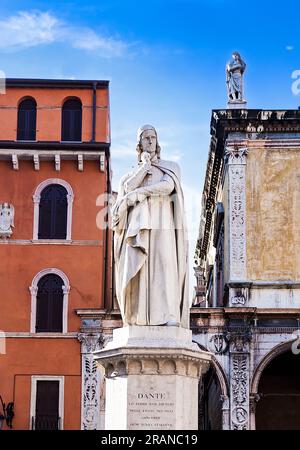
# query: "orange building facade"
{"type": "Point", "coordinates": [54, 251]}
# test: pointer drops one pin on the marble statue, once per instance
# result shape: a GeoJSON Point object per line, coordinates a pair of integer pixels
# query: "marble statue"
{"type": "Point", "coordinates": [7, 213]}
{"type": "Point", "coordinates": [150, 240]}
{"type": "Point", "coordinates": [235, 69]}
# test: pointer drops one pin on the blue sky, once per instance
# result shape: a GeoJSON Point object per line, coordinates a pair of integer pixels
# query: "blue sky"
{"type": "Point", "coordinates": [165, 60]}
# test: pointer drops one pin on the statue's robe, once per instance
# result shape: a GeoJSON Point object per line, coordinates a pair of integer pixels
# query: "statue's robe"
{"type": "Point", "coordinates": [151, 248]}
{"type": "Point", "coordinates": [235, 82]}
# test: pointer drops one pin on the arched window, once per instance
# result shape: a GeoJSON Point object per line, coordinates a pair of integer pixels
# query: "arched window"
{"type": "Point", "coordinates": [71, 120]}
{"type": "Point", "coordinates": [49, 301]}
{"type": "Point", "coordinates": [26, 130]}
{"type": "Point", "coordinates": [53, 201]}
{"type": "Point", "coordinates": [49, 304]}
{"type": "Point", "coordinates": [53, 212]}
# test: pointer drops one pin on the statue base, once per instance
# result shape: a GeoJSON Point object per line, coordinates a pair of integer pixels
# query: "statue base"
{"type": "Point", "coordinates": [152, 376]}
{"type": "Point", "coordinates": [237, 105]}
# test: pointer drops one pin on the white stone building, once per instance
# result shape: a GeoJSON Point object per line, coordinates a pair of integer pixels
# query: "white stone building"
{"type": "Point", "coordinates": [248, 258]}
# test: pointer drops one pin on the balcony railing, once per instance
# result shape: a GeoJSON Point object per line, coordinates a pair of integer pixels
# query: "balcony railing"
{"type": "Point", "coordinates": [45, 422]}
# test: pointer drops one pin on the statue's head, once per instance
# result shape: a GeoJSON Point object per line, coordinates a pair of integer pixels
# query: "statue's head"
{"type": "Point", "coordinates": [236, 56]}
{"type": "Point", "coordinates": [147, 141]}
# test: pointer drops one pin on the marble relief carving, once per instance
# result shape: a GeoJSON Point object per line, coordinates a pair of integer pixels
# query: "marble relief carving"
{"type": "Point", "coordinates": [7, 213]}
{"type": "Point", "coordinates": [239, 379]}
{"type": "Point", "coordinates": [91, 381]}
{"type": "Point", "coordinates": [236, 160]}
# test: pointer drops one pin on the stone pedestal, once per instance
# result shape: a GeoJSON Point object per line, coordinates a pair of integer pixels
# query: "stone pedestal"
{"type": "Point", "coordinates": [152, 375]}
{"type": "Point", "coordinates": [238, 104]}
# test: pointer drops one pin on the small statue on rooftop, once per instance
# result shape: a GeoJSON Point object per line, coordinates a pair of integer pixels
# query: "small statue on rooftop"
{"type": "Point", "coordinates": [235, 69]}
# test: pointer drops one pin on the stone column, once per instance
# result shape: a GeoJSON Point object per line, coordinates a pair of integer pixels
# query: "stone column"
{"type": "Point", "coordinates": [152, 375]}
{"type": "Point", "coordinates": [236, 162]}
{"type": "Point", "coordinates": [91, 381]}
{"type": "Point", "coordinates": [239, 360]}
{"type": "Point", "coordinates": [225, 412]}
{"type": "Point", "coordinates": [254, 398]}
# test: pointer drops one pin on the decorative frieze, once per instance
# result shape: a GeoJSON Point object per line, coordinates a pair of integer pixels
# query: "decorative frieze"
{"type": "Point", "coordinates": [236, 160]}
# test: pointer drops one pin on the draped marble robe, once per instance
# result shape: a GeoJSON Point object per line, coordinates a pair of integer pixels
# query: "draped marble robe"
{"type": "Point", "coordinates": [151, 247]}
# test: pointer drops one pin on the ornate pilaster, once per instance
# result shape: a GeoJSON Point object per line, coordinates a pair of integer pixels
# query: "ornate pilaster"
{"type": "Point", "coordinates": [239, 380]}
{"type": "Point", "coordinates": [236, 161]}
{"type": "Point", "coordinates": [91, 380]}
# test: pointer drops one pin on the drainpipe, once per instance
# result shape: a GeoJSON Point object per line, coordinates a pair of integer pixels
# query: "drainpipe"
{"type": "Point", "coordinates": [107, 299]}
{"type": "Point", "coordinates": [94, 111]}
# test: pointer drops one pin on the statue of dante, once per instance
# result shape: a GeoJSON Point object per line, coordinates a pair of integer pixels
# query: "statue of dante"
{"type": "Point", "coordinates": [150, 242]}
{"type": "Point", "coordinates": [235, 69]}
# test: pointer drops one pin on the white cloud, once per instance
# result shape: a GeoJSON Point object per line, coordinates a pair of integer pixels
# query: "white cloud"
{"type": "Point", "coordinates": [33, 28]}
{"type": "Point", "coordinates": [123, 151]}
{"type": "Point", "coordinates": [27, 29]}
{"type": "Point", "coordinates": [289, 47]}
{"type": "Point", "coordinates": [176, 156]}
{"type": "Point", "coordinates": [93, 42]}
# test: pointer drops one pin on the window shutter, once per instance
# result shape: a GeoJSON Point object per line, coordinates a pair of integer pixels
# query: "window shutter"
{"type": "Point", "coordinates": [41, 311]}
{"type": "Point", "coordinates": [49, 311]}
{"type": "Point", "coordinates": [47, 405]}
{"type": "Point", "coordinates": [71, 128]}
{"type": "Point", "coordinates": [57, 305]}
{"type": "Point", "coordinates": [45, 214]}
{"type": "Point", "coordinates": [26, 129]}
{"type": "Point", "coordinates": [60, 211]}
{"type": "Point", "coordinates": [53, 213]}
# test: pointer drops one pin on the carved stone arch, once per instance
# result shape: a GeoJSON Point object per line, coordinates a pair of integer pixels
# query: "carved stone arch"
{"type": "Point", "coordinates": [224, 392]}
{"type": "Point", "coordinates": [109, 370]}
{"type": "Point", "coordinates": [36, 200]}
{"type": "Point", "coordinates": [121, 368]}
{"type": "Point", "coordinates": [219, 371]}
{"type": "Point", "coordinates": [150, 366]}
{"type": "Point", "coordinates": [276, 351]}
{"type": "Point", "coordinates": [135, 366]}
{"type": "Point", "coordinates": [169, 367]}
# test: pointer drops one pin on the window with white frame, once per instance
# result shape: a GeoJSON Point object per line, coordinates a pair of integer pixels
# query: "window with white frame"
{"type": "Point", "coordinates": [47, 402]}
{"type": "Point", "coordinates": [53, 203]}
{"type": "Point", "coordinates": [49, 302]}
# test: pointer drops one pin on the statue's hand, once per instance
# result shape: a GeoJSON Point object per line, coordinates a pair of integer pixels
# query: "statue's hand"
{"type": "Point", "coordinates": [134, 197]}
{"type": "Point", "coordinates": [145, 158]}
{"type": "Point", "coordinates": [141, 197]}
{"type": "Point", "coordinates": [131, 198]}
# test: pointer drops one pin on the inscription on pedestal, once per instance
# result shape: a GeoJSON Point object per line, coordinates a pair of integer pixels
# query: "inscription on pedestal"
{"type": "Point", "coordinates": [151, 410]}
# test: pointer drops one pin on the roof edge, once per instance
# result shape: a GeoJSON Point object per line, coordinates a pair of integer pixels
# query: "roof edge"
{"type": "Point", "coordinates": [55, 83]}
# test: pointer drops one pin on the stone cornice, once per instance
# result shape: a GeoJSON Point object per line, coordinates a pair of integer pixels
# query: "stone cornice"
{"type": "Point", "coordinates": [49, 146]}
